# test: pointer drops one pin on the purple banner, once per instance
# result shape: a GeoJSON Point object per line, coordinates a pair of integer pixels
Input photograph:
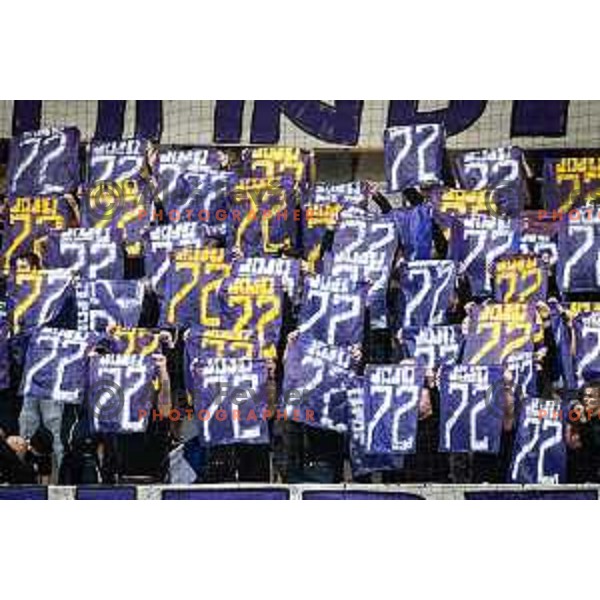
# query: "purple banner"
{"type": "Point", "coordinates": [227, 494]}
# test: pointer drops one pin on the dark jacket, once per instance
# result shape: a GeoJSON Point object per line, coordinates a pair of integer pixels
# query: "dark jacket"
{"type": "Point", "coordinates": [12, 468]}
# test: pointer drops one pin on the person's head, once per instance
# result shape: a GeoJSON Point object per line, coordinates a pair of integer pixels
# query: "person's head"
{"type": "Point", "coordinates": [425, 403]}
{"type": "Point", "coordinates": [223, 159]}
{"type": "Point", "coordinates": [18, 445]}
{"type": "Point", "coordinates": [271, 367]}
{"type": "Point", "coordinates": [28, 261]}
{"type": "Point", "coordinates": [591, 395]}
{"type": "Point", "coordinates": [166, 339]}
{"type": "Point", "coordinates": [41, 442]}
{"type": "Point", "coordinates": [37, 451]}
{"type": "Point", "coordinates": [152, 155]}
{"type": "Point", "coordinates": [413, 196]}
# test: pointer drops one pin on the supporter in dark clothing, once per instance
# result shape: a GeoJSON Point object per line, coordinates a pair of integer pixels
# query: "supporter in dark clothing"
{"type": "Point", "coordinates": [493, 468]}
{"type": "Point", "coordinates": [25, 461]}
{"type": "Point", "coordinates": [278, 427]}
{"type": "Point", "coordinates": [310, 454]}
{"type": "Point", "coordinates": [382, 202]}
{"type": "Point", "coordinates": [110, 458]}
{"type": "Point", "coordinates": [479, 467]}
{"type": "Point", "coordinates": [10, 400]}
{"type": "Point", "coordinates": [81, 464]}
{"type": "Point", "coordinates": [379, 345]}
{"type": "Point", "coordinates": [583, 437]}
{"type": "Point", "coordinates": [141, 456]}
{"type": "Point", "coordinates": [134, 263]}
{"type": "Point", "coordinates": [440, 243]}
{"type": "Point", "coordinates": [457, 313]}
{"type": "Point", "coordinates": [237, 463]}
{"type": "Point", "coordinates": [150, 311]}
{"type": "Point", "coordinates": [13, 466]}
{"type": "Point", "coordinates": [314, 455]}
{"type": "Point", "coordinates": [10, 407]}
{"type": "Point", "coordinates": [248, 462]}
{"type": "Point", "coordinates": [326, 243]}
{"type": "Point", "coordinates": [413, 196]}
{"type": "Point", "coordinates": [137, 456]}
{"type": "Point", "coordinates": [428, 464]}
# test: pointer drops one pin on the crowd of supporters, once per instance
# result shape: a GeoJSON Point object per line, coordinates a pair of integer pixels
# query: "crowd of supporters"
{"type": "Point", "coordinates": [437, 280]}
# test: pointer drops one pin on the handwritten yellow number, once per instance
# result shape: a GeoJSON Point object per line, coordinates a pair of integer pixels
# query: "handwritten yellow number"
{"type": "Point", "coordinates": [35, 279]}
{"type": "Point", "coordinates": [272, 213]}
{"type": "Point", "coordinates": [495, 329]}
{"type": "Point", "coordinates": [247, 306]}
{"type": "Point", "coordinates": [209, 288]}
{"type": "Point", "coordinates": [185, 290]}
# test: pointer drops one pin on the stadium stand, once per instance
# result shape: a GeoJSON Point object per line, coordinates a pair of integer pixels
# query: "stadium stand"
{"type": "Point", "coordinates": [176, 313]}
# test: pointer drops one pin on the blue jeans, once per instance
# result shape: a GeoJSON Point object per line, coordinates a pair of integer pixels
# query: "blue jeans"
{"type": "Point", "coordinates": [36, 412]}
